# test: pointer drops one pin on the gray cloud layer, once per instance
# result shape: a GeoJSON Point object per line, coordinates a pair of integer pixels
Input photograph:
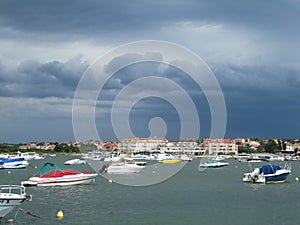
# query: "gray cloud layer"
{"type": "Point", "coordinates": [253, 48]}
{"type": "Point", "coordinates": [39, 80]}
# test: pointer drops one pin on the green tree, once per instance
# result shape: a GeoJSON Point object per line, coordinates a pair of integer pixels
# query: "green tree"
{"type": "Point", "coordinates": [271, 146]}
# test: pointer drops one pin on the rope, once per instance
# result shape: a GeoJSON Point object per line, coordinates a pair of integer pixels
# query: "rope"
{"type": "Point", "coordinates": [29, 213]}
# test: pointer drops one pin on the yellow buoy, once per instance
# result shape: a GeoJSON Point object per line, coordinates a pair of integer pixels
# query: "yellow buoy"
{"type": "Point", "coordinates": [35, 167]}
{"type": "Point", "coordinates": [60, 214]}
{"type": "Point", "coordinates": [297, 179]}
{"type": "Point", "coordinates": [110, 181]}
{"type": "Point", "coordinates": [8, 172]}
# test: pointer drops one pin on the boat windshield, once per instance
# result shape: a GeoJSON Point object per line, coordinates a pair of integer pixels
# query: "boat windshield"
{"type": "Point", "coordinates": [48, 168]}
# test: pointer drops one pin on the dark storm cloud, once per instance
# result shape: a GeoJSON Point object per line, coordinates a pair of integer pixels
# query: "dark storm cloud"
{"type": "Point", "coordinates": [39, 80]}
{"type": "Point", "coordinates": [254, 46]}
{"type": "Point", "coordinates": [148, 107]}
{"type": "Point", "coordinates": [117, 19]}
{"type": "Point", "coordinates": [120, 77]}
{"type": "Point", "coordinates": [261, 101]}
{"type": "Point", "coordinates": [252, 80]}
{"type": "Point", "coordinates": [78, 17]}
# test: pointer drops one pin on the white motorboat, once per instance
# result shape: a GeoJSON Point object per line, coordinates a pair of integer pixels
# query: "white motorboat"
{"type": "Point", "coordinates": [36, 156]}
{"type": "Point", "coordinates": [4, 156]}
{"type": "Point", "coordinates": [95, 155]}
{"type": "Point", "coordinates": [164, 156]}
{"type": "Point", "coordinates": [268, 174]}
{"type": "Point", "coordinates": [213, 164]}
{"type": "Point", "coordinates": [10, 197]}
{"type": "Point", "coordinates": [219, 158]}
{"type": "Point", "coordinates": [274, 158]}
{"type": "Point", "coordinates": [75, 162]}
{"type": "Point", "coordinates": [25, 155]}
{"type": "Point", "coordinates": [185, 158]}
{"type": "Point", "coordinates": [124, 166]}
{"type": "Point", "coordinates": [13, 163]}
{"type": "Point", "coordinates": [52, 175]}
{"type": "Point", "coordinates": [113, 158]}
{"type": "Point", "coordinates": [138, 156]}
{"type": "Point", "coordinates": [150, 157]}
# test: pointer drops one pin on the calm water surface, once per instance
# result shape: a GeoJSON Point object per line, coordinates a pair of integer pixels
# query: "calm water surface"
{"type": "Point", "coordinates": [215, 196]}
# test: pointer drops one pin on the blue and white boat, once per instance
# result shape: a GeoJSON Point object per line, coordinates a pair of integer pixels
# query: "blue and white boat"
{"type": "Point", "coordinates": [268, 174]}
{"type": "Point", "coordinates": [212, 163]}
{"type": "Point", "coordinates": [13, 163]}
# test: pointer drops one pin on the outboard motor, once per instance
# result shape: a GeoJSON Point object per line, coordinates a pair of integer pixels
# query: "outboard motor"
{"type": "Point", "coordinates": [104, 169]}
{"type": "Point", "coordinates": [254, 175]}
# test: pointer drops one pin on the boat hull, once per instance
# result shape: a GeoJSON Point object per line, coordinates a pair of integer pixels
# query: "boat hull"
{"type": "Point", "coordinates": [61, 181]}
{"type": "Point", "coordinates": [13, 163]}
{"type": "Point", "coordinates": [276, 178]}
{"type": "Point", "coordinates": [7, 205]}
{"type": "Point", "coordinates": [119, 169]}
{"type": "Point", "coordinates": [75, 162]}
{"type": "Point", "coordinates": [170, 161]}
{"type": "Point", "coordinates": [214, 165]}
{"type": "Point", "coordinates": [9, 200]}
{"type": "Point", "coordinates": [21, 166]}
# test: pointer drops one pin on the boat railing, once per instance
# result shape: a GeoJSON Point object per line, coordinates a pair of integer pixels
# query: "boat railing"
{"type": "Point", "coordinates": [12, 189]}
{"type": "Point", "coordinates": [15, 190]}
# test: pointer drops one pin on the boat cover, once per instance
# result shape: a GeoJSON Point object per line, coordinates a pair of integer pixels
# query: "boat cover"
{"type": "Point", "coordinates": [268, 169]}
{"type": "Point", "coordinates": [52, 170]}
{"type": "Point", "coordinates": [9, 160]}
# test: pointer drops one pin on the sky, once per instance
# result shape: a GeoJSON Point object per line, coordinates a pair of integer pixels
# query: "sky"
{"type": "Point", "coordinates": [252, 48]}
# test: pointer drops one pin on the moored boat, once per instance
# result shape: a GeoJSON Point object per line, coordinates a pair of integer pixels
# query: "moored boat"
{"type": "Point", "coordinates": [75, 162]}
{"type": "Point", "coordinates": [170, 161]}
{"type": "Point", "coordinates": [11, 196]}
{"type": "Point", "coordinates": [124, 166]}
{"type": "Point", "coordinates": [164, 156]}
{"type": "Point", "coordinates": [213, 164]}
{"type": "Point", "coordinates": [268, 174]}
{"type": "Point", "coordinates": [113, 158]}
{"type": "Point", "coordinates": [36, 156]}
{"type": "Point", "coordinates": [186, 158]}
{"type": "Point", "coordinates": [29, 156]}
{"type": "Point", "coordinates": [13, 163]}
{"type": "Point", "coordinates": [138, 156]}
{"type": "Point", "coordinates": [274, 158]}
{"type": "Point", "coordinates": [53, 175]}
{"type": "Point", "coordinates": [25, 155]}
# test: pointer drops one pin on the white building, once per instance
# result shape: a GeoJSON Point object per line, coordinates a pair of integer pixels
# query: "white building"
{"type": "Point", "coordinates": [289, 149]}
{"type": "Point", "coordinates": [220, 146]}
{"type": "Point", "coordinates": [135, 145]}
{"type": "Point", "coordinates": [189, 147]}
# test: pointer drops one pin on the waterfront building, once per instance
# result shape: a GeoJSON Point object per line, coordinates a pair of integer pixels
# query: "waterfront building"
{"type": "Point", "coordinates": [136, 145]}
{"type": "Point", "coordinates": [189, 147]}
{"type": "Point", "coordinates": [220, 146]}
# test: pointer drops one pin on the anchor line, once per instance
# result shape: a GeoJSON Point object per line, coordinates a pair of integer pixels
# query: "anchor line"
{"type": "Point", "coordinates": [28, 213]}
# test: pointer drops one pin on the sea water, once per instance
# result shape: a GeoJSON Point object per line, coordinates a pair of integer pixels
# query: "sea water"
{"type": "Point", "coordinates": [209, 197]}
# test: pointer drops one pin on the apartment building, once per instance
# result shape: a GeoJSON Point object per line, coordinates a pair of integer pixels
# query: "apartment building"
{"type": "Point", "coordinates": [220, 146]}
{"type": "Point", "coordinates": [135, 145]}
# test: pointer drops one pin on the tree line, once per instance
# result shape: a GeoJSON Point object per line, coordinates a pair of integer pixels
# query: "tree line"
{"type": "Point", "coordinates": [268, 146]}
